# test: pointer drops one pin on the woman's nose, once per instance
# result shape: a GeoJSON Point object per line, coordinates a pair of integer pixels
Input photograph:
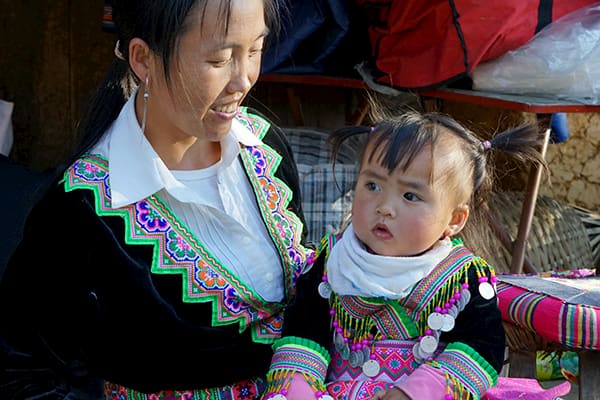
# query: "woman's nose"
{"type": "Point", "coordinates": [242, 77]}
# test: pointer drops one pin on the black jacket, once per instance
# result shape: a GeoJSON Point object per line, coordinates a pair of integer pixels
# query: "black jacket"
{"type": "Point", "coordinates": [79, 305]}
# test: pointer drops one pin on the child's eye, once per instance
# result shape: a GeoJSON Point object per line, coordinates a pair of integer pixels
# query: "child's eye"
{"type": "Point", "coordinates": [411, 196]}
{"type": "Point", "coordinates": [372, 187]}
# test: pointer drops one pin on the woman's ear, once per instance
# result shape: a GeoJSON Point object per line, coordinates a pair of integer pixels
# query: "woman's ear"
{"type": "Point", "coordinates": [139, 58]}
{"type": "Point", "coordinates": [458, 220]}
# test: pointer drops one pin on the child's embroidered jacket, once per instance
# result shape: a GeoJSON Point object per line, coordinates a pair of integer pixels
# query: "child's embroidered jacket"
{"type": "Point", "coordinates": [449, 324]}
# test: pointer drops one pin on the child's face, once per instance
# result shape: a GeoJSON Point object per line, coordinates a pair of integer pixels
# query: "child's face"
{"type": "Point", "coordinates": [403, 213]}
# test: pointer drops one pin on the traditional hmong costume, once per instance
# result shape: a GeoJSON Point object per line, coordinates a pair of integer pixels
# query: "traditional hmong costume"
{"type": "Point", "coordinates": [443, 328]}
{"type": "Point", "coordinates": [127, 303]}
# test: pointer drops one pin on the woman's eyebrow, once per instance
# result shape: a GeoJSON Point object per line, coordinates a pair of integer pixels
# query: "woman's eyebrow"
{"type": "Point", "coordinates": [228, 45]}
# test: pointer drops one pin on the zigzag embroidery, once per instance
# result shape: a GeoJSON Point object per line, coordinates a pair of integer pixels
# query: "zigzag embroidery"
{"type": "Point", "coordinates": [176, 250]}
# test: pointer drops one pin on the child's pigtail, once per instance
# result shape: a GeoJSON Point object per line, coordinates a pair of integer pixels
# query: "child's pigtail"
{"type": "Point", "coordinates": [523, 143]}
{"type": "Point", "coordinates": [339, 136]}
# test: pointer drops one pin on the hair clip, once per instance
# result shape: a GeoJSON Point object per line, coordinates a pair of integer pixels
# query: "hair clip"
{"type": "Point", "coordinates": [486, 145]}
{"type": "Point", "coordinates": [372, 129]}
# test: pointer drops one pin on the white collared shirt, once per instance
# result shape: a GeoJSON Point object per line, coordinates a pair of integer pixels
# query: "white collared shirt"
{"type": "Point", "coordinates": [217, 203]}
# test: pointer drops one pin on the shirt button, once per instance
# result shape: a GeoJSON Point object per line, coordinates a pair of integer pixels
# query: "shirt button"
{"type": "Point", "coordinates": [246, 240]}
{"type": "Point", "coordinates": [269, 277]}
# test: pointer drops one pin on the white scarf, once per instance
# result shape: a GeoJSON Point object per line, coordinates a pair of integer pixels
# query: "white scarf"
{"type": "Point", "coordinates": [352, 270]}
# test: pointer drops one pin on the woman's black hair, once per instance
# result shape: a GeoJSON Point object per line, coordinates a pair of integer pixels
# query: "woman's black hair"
{"type": "Point", "coordinates": [160, 24]}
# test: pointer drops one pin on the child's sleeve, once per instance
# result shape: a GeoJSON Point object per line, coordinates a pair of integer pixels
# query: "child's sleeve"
{"type": "Point", "coordinates": [426, 382]}
{"type": "Point", "coordinates": [474, 354]}
{"type": "Point", "coordinates": [300, 360]}
{"type": "Point", "coordinates": [298, 369]}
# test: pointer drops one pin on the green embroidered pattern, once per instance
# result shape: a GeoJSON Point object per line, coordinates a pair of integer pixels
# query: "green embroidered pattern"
{"type": "Point", "coordinates": [244, 390]}
{"type": "Point", "coordinates": [177, 250]}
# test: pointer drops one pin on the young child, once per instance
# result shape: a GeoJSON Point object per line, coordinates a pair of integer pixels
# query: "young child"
{"type": "Point", "coordinates": [410, 312]}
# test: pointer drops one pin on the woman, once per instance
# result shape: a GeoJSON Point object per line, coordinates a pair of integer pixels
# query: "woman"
{"type": "Point", "coordinates": [160, 262]}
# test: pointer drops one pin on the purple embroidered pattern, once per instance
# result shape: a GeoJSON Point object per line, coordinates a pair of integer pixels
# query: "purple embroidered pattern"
{"type": "Point", "coordinates": [150, 222]}
{"type": "Point", "coordinates": [149, 219]}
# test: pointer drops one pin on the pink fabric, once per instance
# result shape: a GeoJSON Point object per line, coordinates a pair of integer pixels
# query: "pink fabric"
{"type": "Point", "coordinates": [545, 306]}
{"type": "Point", "coordinates": [525, 389]}
{"type": "Point", "coordinates": [424, 383]}
{"type": "Point", "coordinates": [299, 389]}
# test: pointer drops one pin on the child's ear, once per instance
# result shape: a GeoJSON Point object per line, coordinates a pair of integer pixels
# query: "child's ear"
{"type": "Point", "coordinates": [458, 220]}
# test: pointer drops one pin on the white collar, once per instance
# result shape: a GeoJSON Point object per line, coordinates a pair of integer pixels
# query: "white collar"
{"type": "Point", "coordinates": [136, 170]}
{"type": "Point", "coordinates": [352, 270]}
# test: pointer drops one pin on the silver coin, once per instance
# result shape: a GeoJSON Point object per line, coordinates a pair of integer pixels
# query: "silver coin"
{"type": "Point", "coordinates": [361, 357]}
{"type": "Point", "coordinates": [278, 397]}
{"type": "Point", "coordinates": [465, 294]}
{"type": "Point", "coordinates": [326, 397]}
{"type": "Point", "coordinates": [486, 290]}
{"type": "Point", "coordinates": [448, 323]}
{"type": "Point", "coordinates": [324, 290]}
{"type": "Point", "coordinates": [355, 359]}
{"type": "Point", "coordinates": [371, 368]}
{"type": "Point", "coordinates": [344, 352]}
{"type": "Point", "coordinates": [338, 341]}
{"type": "Point", "coordinates": [428, 344]}
{"type": "Point", "coordinates": [461, 303]}
{"type": "Point", "coordinates": [366, 352]}
{"type": "Point", "coordinates": [435, 321]}
{"type": "Point", "coordinates": [453, 311]}
{"type": "Point", "coordinates": [416, 352]}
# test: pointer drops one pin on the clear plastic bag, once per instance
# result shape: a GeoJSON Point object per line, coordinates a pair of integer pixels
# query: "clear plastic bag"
{"type": "Point", "coordinates": [561, 61]}
{"type": "Point", "coordinates": [6, 128]}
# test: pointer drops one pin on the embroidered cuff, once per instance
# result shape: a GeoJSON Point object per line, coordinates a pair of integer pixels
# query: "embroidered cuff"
{"type": "Point", "coordinates": [465, 370]}
{"type": "Point", "coordinates": [294, 355]}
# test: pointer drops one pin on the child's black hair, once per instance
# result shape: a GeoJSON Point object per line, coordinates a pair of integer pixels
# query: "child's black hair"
{"type": "Point", "coordinates": [394, 142]}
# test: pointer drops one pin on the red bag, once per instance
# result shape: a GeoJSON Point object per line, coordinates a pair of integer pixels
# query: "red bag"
{"type": "Point", "coordinates": [420, 44]}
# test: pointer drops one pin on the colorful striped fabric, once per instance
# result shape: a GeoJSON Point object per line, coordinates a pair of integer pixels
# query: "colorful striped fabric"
{"type": "Point", "coordinates": [107, 21]}
{"type": "Point", "coordinates": [565, 311]}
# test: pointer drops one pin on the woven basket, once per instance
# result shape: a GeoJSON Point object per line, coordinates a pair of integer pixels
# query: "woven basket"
{"type": "Point", "coordinates": [558, 239]}
{"type": "Point", "coordinates": [523, 339]}
{"type": "Point", "coordinates": [591, 222]}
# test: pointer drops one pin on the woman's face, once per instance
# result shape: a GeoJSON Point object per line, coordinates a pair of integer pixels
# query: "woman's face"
{"type": "Point", "coordinates": [211, 73]}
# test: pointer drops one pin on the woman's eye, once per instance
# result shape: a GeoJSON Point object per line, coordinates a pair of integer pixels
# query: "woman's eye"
{"type": "Point", "coordinates": [220, 63]}
{"type": "Point", "coordinates": [255, 52]}
{"type": "Point", "coordinates": [411, 196]}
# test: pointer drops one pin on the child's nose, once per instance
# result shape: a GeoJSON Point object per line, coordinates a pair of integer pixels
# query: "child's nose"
{"type": "Point", "coordinates": [385, 210]}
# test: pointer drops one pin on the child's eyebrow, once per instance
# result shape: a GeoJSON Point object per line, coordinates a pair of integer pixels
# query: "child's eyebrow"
{"type": "Point", "coordinates": [372, 174]}
{"type": "Point", "coordinates": [415, 184]}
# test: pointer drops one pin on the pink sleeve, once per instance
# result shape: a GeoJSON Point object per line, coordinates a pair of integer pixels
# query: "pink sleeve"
{"type": "Point", "coordinates": [425, 382]}
{"type": "Point", "coordinates": [299, 389]}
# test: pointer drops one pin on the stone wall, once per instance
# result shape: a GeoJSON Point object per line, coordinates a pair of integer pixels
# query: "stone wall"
{"type": "Point", "coordinates": [574, 165]}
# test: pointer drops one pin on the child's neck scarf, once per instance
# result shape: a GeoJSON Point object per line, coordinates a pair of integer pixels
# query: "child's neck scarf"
{"type": "Point", "coordinates": [352, 270]}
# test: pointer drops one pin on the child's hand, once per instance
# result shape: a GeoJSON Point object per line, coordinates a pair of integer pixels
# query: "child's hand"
{"type": "Point", "coordinates": [392, 394]}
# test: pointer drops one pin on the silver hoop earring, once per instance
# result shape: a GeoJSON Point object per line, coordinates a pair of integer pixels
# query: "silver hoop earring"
{"type": "Point", "coordinates": [146, 95]}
